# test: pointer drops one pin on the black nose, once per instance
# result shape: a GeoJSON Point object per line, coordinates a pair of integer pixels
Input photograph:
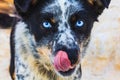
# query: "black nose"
{"type": "Point", "coordinates": [72, 52]}
{"type": "Point", "coordinates": [73, 55]}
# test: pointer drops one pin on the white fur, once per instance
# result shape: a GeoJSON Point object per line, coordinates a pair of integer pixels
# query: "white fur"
{"type": "Point", "coordinates": [23, 40]}
{"type": "Point", "coordinates": [64, 9]}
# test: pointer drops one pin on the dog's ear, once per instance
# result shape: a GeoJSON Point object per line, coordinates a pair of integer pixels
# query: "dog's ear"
{"type": "Point", "coordinates": [100, 3]}
{"type": "Point", "coordinates": [23, 5]}
{"type": "Point", "coordinates": [98, 6]}
{"type": "Point", "coordinates": [105, 3]}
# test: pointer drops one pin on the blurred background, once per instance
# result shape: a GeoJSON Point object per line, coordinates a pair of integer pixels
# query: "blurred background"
{"type": "Point", "coordinates": [102, 58]}
{"type": "Point", "coordinates": [6, 11]}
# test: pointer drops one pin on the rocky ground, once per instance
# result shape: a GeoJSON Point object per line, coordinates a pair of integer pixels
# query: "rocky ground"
{"type": "Point", "coordinates": [102, 59]}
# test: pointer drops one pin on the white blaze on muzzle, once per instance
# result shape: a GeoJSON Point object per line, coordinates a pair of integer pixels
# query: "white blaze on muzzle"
{"type": "Point", "coordinates": [66, 38]}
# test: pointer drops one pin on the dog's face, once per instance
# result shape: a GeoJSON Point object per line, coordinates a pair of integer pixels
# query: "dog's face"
{"type": "Point", "coordinates": [62, 26]}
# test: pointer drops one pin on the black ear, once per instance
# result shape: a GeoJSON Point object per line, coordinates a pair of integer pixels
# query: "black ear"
{"type": "Point", "coordinates": [100, 3]}
{"type": "Point", "coordinates": [98, 6]}
{"type": "Point", "coordinates": [23, 5]}
{"type": "Point", "coordinates": [105, 3]}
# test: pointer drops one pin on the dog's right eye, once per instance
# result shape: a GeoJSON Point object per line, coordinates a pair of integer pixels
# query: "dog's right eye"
{"type": "Point", "coordinates": [46, 24]}
{"type": "Point", "coordinates": [79, 23]}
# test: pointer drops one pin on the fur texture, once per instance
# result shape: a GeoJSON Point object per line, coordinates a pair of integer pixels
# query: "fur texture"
{"type": "Point", "coordinates": [46, 28]}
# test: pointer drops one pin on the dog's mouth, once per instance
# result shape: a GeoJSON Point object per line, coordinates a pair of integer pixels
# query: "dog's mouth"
{"type": "Point", "coordinates": [63, 64]}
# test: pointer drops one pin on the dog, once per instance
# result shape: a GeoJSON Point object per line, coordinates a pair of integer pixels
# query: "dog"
{"type": "Point", "coordinates": [48, 41]}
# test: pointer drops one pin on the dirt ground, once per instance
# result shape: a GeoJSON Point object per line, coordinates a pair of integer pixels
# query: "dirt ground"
{"type": "Point", "coordinates": [102, 58]}
{"type": "Point", "coordinates": [4, 54]}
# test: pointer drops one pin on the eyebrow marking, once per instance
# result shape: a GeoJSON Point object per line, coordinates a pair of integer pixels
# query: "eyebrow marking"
{"type": "Point", "coordinates": [53, 20]}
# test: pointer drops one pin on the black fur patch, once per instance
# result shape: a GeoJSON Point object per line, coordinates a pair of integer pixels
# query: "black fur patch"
{"type": "Point", "coordinates": [64, 32]}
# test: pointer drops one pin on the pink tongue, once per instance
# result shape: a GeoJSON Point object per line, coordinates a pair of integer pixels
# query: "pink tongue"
{"type": "Point", "coordinates": [61, 61]}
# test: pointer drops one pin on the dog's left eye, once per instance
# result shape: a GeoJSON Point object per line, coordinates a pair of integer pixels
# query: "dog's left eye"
{"type": "Point", "coordinates": [79, 23]}
{"type": "Point", "coordinates": [46, 24]}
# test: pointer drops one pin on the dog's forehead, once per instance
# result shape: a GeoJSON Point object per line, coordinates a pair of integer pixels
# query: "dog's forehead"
{"type": "Point", "coordinates": [62, 7]}
{"type": "Point", "coordinates": [62, 10]}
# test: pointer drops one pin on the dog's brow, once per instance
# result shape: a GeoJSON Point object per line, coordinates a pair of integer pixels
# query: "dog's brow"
{"type": "Point", "coordinates": [52, 8]}
{"type": "Point", "coordinates": [62, 10]}
{"type": "Point", "coordinates": [68, 7]}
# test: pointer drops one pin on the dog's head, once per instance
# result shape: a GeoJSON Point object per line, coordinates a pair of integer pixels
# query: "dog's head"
{"type": "Point", "coordinates": [63, 26]}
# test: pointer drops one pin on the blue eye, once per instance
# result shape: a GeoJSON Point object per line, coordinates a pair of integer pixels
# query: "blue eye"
{"type": "Point", "coordinates": [47, 24]}
{"type": "Point", "coordinates": [79, 23]}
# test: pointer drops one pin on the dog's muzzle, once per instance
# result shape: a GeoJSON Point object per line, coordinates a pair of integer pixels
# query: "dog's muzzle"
{"type": "Point", "coordinates": [66, 53]}
{"type": "Point", "coordinates": [66, 57]}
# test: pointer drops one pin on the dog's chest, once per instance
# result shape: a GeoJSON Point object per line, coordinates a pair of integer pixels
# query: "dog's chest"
{"type": "Point", "coordinates": [22, 71]}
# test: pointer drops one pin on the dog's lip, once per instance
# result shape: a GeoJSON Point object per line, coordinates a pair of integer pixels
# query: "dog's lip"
{"type": "Point", "coordinates": [67, 73]}
{"type": "Point", "coordinates": [62, 62]}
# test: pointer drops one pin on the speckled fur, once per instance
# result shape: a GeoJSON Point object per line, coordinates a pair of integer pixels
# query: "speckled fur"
{"type": "Point", "coordinates": [34, 47]}
{"type": "Point", "coordinates": [28, 66]}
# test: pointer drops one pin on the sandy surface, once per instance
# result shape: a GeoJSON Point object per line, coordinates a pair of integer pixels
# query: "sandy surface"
{"type": "Point", "coordinates": [4, 54]}
{"type": "Point", "coordinates": [102, 60]}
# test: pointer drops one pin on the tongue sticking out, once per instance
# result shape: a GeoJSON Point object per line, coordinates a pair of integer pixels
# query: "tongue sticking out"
{"type": "Point", "coordinates": [61, 61]}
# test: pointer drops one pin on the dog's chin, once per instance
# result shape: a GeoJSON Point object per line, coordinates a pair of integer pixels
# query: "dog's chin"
{"type": "Point", "coordinates": [67, 73]}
